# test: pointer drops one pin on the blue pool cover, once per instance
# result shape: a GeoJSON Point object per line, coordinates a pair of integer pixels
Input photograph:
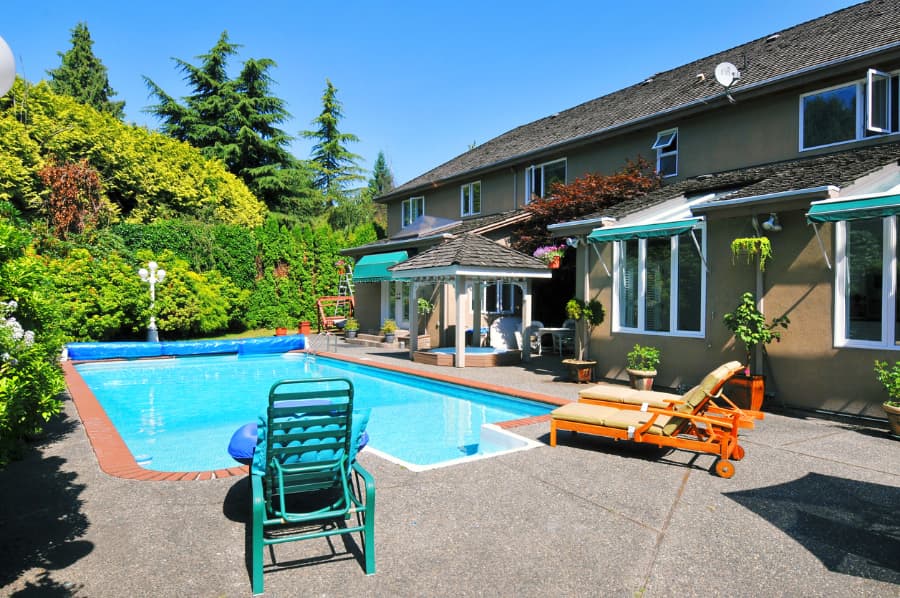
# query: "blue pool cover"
{"type": "Point", "coordinates": [136, 350]}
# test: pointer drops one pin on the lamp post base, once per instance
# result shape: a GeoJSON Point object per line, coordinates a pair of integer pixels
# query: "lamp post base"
{"type": "Point", "coordinates": [152, 332]}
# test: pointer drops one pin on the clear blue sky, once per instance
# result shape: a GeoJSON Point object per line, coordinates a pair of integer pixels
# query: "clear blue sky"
{"type": "Point", "coordinates": [421, 80]}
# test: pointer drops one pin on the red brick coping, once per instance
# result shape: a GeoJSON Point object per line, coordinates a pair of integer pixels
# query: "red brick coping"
{"type": "Point", "coordinates": [116, 460]}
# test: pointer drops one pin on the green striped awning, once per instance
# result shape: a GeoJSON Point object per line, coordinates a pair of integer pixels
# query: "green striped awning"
{"type": "Point", "coordinates": [643, 231]}
{"type": "Point", "coordinates": [374, 267]}
{"type": "Point", "coordinates": [833, 210]}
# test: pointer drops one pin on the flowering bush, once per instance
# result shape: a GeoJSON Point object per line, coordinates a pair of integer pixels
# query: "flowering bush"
{"type": "Point", "coordinates": [30, 382]}
{"type": "Point", "coordinates": [546, 253]}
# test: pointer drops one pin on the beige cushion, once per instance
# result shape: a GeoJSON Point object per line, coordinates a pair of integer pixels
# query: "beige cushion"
{"type": "Point", "coordinates": [622, 394]}
{"type": "Point", "coordinates": [611, 417]}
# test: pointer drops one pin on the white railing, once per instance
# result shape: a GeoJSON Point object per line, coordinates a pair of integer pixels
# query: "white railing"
{"type": "Point", "coordinates": [321, 342]}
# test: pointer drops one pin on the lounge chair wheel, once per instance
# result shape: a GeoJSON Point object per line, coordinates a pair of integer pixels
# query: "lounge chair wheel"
{"type": "Point", "coordinates": [724, 469]}
{"type": "Point", "coordinates": [737, 453]}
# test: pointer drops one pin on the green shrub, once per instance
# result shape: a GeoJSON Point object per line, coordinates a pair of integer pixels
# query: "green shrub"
{"type": "Point", "coordinates": [890, 379]}
{"type": "Point", "coordinates": [643, 357]}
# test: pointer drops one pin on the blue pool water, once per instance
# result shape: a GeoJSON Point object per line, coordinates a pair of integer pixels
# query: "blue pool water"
{"type": "Point", "coordinates": [179, 414]}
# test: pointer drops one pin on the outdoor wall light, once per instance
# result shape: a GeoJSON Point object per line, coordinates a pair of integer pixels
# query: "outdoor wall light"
{"type": "Point", "coordinates": [771, 224]}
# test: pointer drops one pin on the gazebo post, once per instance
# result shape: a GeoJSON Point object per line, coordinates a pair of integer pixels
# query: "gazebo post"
{"type": "Point", "coordinates": [461, 311]}
{"type": "Point", "coordinates": [476, 309]}
{"type": "Point", "coordinates": [413, 319]}
{"type": "Point", "coordinates": [526, 321]}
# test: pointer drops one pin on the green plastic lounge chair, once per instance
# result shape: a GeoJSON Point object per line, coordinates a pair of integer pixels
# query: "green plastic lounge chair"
{"type": "Point", "coordinates": [306, 482]}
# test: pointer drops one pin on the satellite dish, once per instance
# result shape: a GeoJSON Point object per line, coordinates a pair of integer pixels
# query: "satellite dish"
{"type": "Point", "coordinates": [7, 68]}
{"type": "Point", "coordinates": [727, 74]}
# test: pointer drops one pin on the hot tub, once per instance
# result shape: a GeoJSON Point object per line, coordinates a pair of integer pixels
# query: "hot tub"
{"type": "Point", "coordinates": [476, 357]}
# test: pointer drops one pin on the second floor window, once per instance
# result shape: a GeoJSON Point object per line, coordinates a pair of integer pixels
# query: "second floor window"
{"type": "Point", "coordinates": [849, 112]}
{"type": "Point", "coordinates": [539, 179]}
{"type": "Point", "coordinates": [470, 199]}
{"type": "Point", "coordinates": [666, 146]}
{"type": "Point", "coordinates": [411, 209]}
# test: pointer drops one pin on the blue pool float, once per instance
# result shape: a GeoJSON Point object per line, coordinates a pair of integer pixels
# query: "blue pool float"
{"type": "Point", "coordinates": [243, 443]}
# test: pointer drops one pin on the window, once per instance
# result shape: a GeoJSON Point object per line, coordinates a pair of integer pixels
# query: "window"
{"type": "Point", "coordinates": [470, 199]}
{"type": "Point", "coordinates": [411, 209]}
{"type": "Point", "coordinates": [849, 112]}
{"type": "Point", "coordinates": [660, 285]}
{"type": "Point", "coordinates": [396, 302]}
{"type": "Point", "coordinates": [539, 179]}
{"type": "Point", "coordinates": [500, 297]}
{"type": "Point", "coordinates": [866, 310]}
{"type": "Point", "coordinates": [666, 146]}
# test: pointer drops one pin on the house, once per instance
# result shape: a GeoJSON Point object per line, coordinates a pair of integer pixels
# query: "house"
{"type": "Point", "coordinates": [794, 137]}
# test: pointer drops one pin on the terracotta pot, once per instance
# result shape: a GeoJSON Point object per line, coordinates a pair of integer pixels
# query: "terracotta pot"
{"type": "Point", "coordinates": [281, 331]}
{"type": "Point", "coordinates": [553, 264]}
{"type": "Point", "coordinates": [747, 392]}
{"type": "Point", "coordinates": [304, 328]}
{"type": "Point", "coordinates": [893, 416]}
{"type": "Point", "coordinates": [641, 379]}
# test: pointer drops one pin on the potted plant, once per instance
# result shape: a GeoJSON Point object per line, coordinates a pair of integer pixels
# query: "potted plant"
{"type": "Point", "coordinates": [550, 254]}
{"type": "Point", "coordinates": [389, 329]}
{"type": "Point", "coordinates": [589, 314]}
{"type": "Point", "coordinates": [890, 379]}
{"type": "Point", "coordinates": [641, 368]}
{"type": "Point", "coordinates": [749, 326]}
{"type": "Point", "coordinates": [752, 247]}
{"type": "Point", "coordinates": [351, 327]}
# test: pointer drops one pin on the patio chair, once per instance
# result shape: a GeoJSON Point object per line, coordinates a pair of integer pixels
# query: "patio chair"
{"type": "Point", "coordinates": [691, 422]}
{"type": "Point", "coordinates": [611, 395]}
{"type": "Point", "coordinates": [565, 342]}
{"type": "Point", "coordinates": [305, 480]}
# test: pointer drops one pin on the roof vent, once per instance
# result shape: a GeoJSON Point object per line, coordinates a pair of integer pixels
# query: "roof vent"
{"type": "Point", "coordinates": [701, 77]}
{"type": "Point", "coordinates": [773, 37]}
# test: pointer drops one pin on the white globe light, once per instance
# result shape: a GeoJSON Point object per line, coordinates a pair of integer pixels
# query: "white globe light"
{"type": "Point", "coordinates": [7, 68]}
{"type": "Point", "coordinates": [143, 273]}
{"type": "Point", "coordinates": [152, 265]}
{"type": "Point", "coordinates": [160, 274]}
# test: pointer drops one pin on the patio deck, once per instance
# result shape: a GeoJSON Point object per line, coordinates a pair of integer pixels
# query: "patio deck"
{"type": "Point", "coordinates": [810, 511]}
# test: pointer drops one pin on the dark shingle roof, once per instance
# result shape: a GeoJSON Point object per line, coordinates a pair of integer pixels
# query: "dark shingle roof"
{"type": "Point", "coordinates": [838, 168]}
{"type": "Point", "coordinates": [848, 32]}
{"type": "Point", "coordinates": [473, 251]}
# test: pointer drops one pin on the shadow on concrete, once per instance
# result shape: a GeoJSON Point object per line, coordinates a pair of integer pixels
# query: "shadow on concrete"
{"type": "Point", "coordinates": [851, 526]}
{"type": "Point", "coordinates": [41, 518]}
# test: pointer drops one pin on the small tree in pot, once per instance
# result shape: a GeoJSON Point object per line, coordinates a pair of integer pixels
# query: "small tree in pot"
{"type": "Point", "coordinates": [749, 326]}
{"type": "Point", "coordinates": [590, 314]}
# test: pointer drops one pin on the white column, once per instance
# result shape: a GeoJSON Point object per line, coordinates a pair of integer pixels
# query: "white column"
{"type": "Point", "coordinates": [461, 311]}
{"type": "Point", "coordinates": [526, 320]}
{"type": "Point", "coordinates": [478, 292]}
{"type": "Point", "coordinates": [413, 319]}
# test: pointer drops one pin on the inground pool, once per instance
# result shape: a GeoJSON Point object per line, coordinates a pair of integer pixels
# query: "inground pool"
{"type": "Point", "coordinates": [179, 414]}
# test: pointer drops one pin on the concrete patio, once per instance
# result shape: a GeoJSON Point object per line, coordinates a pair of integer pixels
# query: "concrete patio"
{"type": "Point", "coordinates": [811, 511]}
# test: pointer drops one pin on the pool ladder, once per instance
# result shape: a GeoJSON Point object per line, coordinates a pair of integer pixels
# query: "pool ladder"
{"type": "Point", "coordinates": [323, 338]}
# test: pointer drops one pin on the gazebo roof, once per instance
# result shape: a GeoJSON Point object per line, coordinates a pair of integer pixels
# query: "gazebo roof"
{"type": "Point", "coordinates": [473, 256]}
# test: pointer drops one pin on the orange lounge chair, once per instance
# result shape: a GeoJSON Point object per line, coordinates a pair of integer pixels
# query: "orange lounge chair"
{"type": "Point", "coordinates": [613, 395]}
{"type": "Point", "coordinates": [692, 422]}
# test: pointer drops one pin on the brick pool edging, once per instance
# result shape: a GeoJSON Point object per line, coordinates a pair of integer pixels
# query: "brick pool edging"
{"type": "Point", "coordinates": [116, 460]}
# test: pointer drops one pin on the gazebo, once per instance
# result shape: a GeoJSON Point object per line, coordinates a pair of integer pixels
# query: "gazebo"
{"type": "Point", "coordinates": [464, 261]}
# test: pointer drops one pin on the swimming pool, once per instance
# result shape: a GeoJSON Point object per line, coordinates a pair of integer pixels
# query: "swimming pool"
{"type": "Point", "coordinates": [179, 414]}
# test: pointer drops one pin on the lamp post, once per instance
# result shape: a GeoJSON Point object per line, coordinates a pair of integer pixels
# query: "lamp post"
{"type": "Point", "coordinates": [7, 68]}
{"type": "Point", "coordinates": [152, 276]}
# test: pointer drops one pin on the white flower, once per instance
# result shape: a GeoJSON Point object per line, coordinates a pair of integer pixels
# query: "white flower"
{"type": "Point", "coordinates": [17, 331]}
{"type": "Point", "coordinates": [28, 338]}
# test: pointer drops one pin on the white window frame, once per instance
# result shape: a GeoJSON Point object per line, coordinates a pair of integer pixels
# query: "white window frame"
{"type": "Point", "coordinates": [872, 76]}
{"type": "Point", "coordinates": [411, 209]}
{"type": "Point", "coordinates": [505, 297]}
{"type": "Point", "coordinates": [864, 128]}
{"type": "Point", "coordinates": [395, 304]}
{"type": "Point", "coordinates": [467, 199]}
{"type": "Point", "coordinates": [618, 281]}
{"type": "Point", "coordinates": [666, 139]}
{"type": "Point", "coordinates": [529, 178]}
{"type": "Point", "coordinates": [888, 289]}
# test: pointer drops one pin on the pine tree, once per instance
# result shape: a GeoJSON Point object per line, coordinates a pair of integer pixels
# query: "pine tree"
{"type": "Point", "coordinates": [382, 179]}
{"type": "Point", "coordinates": [83, 77]}
{"type": "Point", "coordinates": [337, 166]}
{"type": "Point", "coordinates": [236, 121]}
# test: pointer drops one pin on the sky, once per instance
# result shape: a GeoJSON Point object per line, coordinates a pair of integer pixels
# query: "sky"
{"type": "Point", "coordinates": [421, 81]}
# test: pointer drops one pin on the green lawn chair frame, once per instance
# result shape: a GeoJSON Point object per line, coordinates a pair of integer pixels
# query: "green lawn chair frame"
{"type": "Point", "coordinates": [308, 439]}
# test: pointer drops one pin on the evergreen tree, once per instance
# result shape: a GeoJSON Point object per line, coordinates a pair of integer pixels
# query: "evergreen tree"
{"type": "Point", "coordinates": [337, 166]}
{"type": "Point", "coordinates": [382, 179]}
{"type": "Point", "coordinates": [83, 77]}
{"type": "Point", "coordinates": [236, 121]}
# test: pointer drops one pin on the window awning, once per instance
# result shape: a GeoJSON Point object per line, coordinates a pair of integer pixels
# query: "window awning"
{"type": "Point", "coordinates": [857, 208]}
{"type": "Point", "coordinates": [643, 231]}
{"type": "Point", "coordinates": [374, 267]}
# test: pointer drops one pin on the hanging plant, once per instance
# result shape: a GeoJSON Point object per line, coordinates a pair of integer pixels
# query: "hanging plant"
{"type": "Point", "coordinates": [751, 247]}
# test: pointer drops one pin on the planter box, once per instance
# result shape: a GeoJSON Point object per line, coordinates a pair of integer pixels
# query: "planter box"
{"type": "Point", "coordinates": [641, 379]}
{"type": "Point", "coordinates": [747, 392]}
{"type": "Point", "coordinates": [580, 371]}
